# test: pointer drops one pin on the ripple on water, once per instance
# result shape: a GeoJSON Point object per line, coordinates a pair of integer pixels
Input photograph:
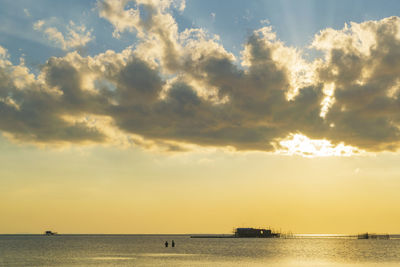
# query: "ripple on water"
{"type": "Point", "coordinates": [168, 255]}
{"type": "Point", "coordinates": [112, 258]}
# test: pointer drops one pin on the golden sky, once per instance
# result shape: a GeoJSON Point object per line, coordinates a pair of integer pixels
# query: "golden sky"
{"type": "Point", "coordinates": [107, 190]}
{"type": "Point", "coordinates": [154, 116]}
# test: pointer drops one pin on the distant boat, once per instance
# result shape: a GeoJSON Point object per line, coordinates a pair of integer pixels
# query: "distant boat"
{"type": "Point", "coordinates": [50, 233]}
{"type": "Point", "coordinates": [363, 236]}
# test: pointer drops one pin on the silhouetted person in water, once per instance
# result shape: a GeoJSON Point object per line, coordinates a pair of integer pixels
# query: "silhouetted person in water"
{"type": "Point", "coordinates": [173, 243]}
{"type": "Point", "coordinates": [166, 244]}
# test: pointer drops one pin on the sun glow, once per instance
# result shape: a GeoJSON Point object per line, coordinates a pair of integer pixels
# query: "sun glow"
{"type": "Point", "coordinates": [298, 144]}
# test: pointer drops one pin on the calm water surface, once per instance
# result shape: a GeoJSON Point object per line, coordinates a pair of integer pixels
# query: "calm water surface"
{"type": "Point", "coordinates": [136, 250]}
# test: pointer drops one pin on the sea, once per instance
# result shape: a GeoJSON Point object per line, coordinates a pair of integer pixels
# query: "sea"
{"type": "Point", "coordinates": [150, 250]}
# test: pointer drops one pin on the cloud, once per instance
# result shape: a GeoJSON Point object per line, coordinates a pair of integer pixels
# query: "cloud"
{"type": "Point", "coordinates": [297, 144]}
{"type": "Point", "coordinates": [26, 12]}
{"type": "Point", "coordinates": [153, 24]}
{"type": "Point", "coordinates": [360, 63]}
{"type": "Point", "coordinates": [181, 89]}
{"type": "Point", "coordinates": [31, 109]}
{"type": "Point", "coordinates": [213, 15]}
{"type": "Point", "coordinates": [76, 36]}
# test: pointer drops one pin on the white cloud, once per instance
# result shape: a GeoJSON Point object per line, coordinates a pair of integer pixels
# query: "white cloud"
{"type": "Point", "coordinates": [3, 52]}
{"type": "Point", "coordinates": [213, 15]}
{"type": "Point", "coordinates": [75, 36]}
{"type": "Point", "coordinates": [26, 11]}
{"type": "Point", "coordinates": [38, 25]}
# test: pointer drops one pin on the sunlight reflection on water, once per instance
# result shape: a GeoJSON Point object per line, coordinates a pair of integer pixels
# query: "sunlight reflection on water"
{"type": "Point", "coordinates": [112, 258]}
{"type": "Point", "coordinates": [166, 255]}
{"type": "Point", "coordinates": [131, 250]}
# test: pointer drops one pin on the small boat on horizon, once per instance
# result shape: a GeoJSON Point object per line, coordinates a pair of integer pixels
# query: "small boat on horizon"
{"type": "Point", "coordinates": [50, 233]}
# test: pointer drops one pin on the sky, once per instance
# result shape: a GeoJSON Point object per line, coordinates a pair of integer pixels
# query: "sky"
{"type": "Point", "coordinates": [174, 116]}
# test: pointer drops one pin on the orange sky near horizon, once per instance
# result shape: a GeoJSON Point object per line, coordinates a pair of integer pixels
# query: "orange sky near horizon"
{"type": "Point", "coordinates": [106, 190]}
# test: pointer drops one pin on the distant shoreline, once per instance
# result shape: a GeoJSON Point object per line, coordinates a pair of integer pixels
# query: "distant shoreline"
{"type": "Point", "coordinates": [293, 236]}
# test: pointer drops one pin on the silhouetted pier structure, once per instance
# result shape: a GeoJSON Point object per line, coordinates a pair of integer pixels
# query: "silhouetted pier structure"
{"type": "Point", "coordinates": [255, 232]}
{"type": "Point", "coordinates": [244, 233]}
{"type": "Point", "coordinates": [268, 233]}
{"type": "Point", "coordinates": [373, 236]}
